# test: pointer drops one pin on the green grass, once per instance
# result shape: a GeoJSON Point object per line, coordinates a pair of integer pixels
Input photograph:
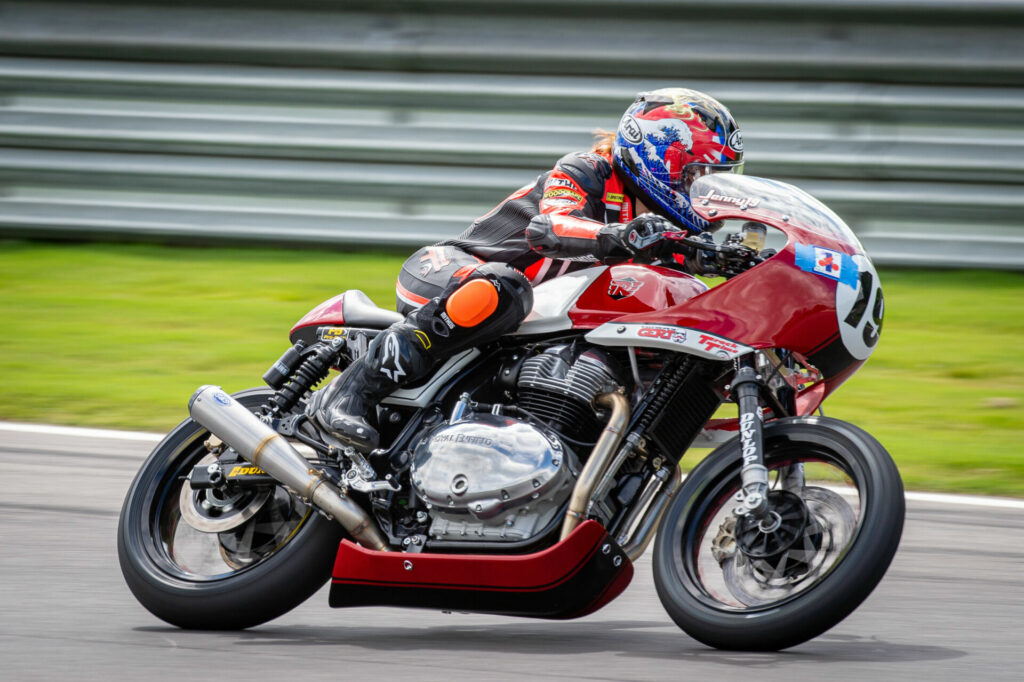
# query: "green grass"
{"type": "Point", "coordinates": [121, 335]}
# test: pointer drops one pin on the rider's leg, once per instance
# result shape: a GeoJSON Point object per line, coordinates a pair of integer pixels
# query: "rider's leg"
{"type": "Point", "coordinates": [479, 304]}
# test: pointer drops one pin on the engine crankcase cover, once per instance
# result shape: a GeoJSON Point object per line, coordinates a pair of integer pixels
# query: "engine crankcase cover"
{"type": "Point", "coordinates": [488, 464]}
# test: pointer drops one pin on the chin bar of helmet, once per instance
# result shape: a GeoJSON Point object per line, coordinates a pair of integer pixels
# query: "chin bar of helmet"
{"type": "Point", "coordinates": [227, 419]}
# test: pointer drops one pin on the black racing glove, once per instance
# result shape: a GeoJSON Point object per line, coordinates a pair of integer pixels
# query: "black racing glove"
{"type": "Point", "coordinates": [643, 236]}
{"type": "Point", "coordinates": [725, 260]}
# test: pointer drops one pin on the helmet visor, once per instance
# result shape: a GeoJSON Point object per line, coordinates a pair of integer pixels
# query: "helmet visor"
{"type": "Point", "coordinates": [692, 171]}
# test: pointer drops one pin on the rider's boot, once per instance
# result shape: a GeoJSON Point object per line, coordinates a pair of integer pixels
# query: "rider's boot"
{"type": "Point", "coordinates": [348, 406]}
{"type": "Point", "coordinates": [478, 308]}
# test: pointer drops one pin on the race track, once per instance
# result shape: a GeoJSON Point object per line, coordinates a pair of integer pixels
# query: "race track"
{"type": "Point", "coordinates": [951, 607]}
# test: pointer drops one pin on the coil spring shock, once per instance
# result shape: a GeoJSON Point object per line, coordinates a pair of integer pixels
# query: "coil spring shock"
{"type": "Point", "coordinates": [315, 367]}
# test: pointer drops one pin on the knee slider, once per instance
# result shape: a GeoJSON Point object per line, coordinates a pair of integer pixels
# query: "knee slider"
{"type": "Point", "coordinates": [513, 287]}
{"type": "Point", "coordinates": [472, 303]}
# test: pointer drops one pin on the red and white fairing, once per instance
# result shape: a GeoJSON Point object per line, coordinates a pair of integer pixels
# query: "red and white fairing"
{"type": "Point", "coordinates": [818, 297]}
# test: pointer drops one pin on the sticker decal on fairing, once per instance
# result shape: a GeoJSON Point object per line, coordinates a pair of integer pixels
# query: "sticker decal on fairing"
{"type": "Point", "coordinates": [827, 263]}
{"type": "Point", "coordinates": [668, 337]}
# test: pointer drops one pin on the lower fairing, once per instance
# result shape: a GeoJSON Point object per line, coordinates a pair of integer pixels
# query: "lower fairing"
{"type": "Point", "coordinates": [575, 577]}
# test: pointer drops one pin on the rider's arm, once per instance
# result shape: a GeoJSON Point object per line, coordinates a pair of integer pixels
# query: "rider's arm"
{"type": "Point", "coordinates": [571, 221]}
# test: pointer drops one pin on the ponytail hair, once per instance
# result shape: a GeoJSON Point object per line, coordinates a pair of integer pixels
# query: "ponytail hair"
{"type": "Point", "coordinates": [603, 142]}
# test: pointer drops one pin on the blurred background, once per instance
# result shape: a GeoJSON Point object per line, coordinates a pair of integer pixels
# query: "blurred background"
{"type": "Point", "coordinates": [397, 122]}
{"type": "Point", "coordinates": [308, 145]}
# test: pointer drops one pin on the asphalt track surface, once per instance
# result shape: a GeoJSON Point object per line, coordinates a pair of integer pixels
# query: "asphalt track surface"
{"type": "Point", "coordinates": [950, 608]}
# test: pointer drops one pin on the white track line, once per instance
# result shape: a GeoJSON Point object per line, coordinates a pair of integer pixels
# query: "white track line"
{"type": "Point", "coordinates": [78, 432]}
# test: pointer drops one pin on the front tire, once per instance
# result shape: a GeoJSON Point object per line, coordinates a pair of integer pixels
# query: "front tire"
{"type": "Point", "coordinates": [766, 593]}
{"type": "Point", "coordinates": [229, 580]}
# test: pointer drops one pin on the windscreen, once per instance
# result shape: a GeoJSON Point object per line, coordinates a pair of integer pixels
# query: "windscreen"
{"type": "Point", "coordinates": [727, 195]}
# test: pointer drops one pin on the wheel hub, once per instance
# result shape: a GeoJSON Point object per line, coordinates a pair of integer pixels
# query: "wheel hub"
{"type": "Point", "coordinates": [768, 542]}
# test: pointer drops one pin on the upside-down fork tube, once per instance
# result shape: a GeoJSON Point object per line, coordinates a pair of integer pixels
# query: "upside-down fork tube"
{"type": "Point", "coordinates": [754, 476]}
{"type": "Point", "coordinates": [227, 419]}
{"type": "Point", "coordinates": [599, 459]}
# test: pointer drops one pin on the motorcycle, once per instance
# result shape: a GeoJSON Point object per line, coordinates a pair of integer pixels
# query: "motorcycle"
{"type": "Point", "coordinates": [526, 477]}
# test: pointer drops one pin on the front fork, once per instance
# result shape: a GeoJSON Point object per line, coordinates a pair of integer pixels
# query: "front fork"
{"type": "Point", "coordinates": [753, 494]}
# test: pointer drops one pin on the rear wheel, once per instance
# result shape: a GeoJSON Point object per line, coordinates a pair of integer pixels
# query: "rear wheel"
{"type": "Point", "coordinates": [214, 560]}
{"type": "Point", "coordinates": [836, 518]}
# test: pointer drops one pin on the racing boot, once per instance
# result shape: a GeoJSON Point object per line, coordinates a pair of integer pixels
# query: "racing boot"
{"type": "Point", "coordinates": [347, 408]}
{"type": "Point", "coordinates": [471, 311]}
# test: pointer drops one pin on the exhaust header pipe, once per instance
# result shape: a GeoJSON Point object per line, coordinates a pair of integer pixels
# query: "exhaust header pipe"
{"type": "Point", "coordinates": [227, 419]}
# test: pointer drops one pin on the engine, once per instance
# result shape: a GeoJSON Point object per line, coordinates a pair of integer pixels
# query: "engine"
{"type": "Point", "coordinates": [496, 477]}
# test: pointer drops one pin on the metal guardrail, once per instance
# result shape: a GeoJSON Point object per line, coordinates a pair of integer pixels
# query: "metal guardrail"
{"type": "Point", "coordinates": [97, 139]}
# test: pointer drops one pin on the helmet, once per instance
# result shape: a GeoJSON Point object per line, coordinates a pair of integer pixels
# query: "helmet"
{"type": "Point", "coordinates": [667, 139]}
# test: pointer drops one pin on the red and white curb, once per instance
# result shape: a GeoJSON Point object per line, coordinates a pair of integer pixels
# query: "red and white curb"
{"type": "Point", "coordinates": [79, 432]}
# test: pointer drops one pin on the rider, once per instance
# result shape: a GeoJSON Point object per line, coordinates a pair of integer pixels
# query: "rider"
{"type": "Point", "coordinates": [592, 207]}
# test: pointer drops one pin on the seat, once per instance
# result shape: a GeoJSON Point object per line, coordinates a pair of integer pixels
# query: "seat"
{"type": "Point", "coordinates": [359, 311]}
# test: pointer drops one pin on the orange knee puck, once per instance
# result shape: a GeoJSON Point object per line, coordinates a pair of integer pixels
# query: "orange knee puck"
{"type": "Point", "coordinates": [472, 303]}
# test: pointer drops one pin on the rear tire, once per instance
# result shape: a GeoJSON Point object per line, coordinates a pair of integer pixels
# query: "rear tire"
{"type": "Point", "coordinates": [252, 581]}
{"type": "Point", "coordinates": [798, 598]}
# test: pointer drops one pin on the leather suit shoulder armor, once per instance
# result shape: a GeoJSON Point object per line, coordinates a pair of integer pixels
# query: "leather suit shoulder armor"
{"type": "Point", "coordinates": [588, 169]}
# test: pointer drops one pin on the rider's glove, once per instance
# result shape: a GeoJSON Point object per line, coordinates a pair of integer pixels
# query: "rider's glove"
{"type": "Point", "coordinates": [642, 236]}
{"type": "Point", "coordinates": [713, 262]}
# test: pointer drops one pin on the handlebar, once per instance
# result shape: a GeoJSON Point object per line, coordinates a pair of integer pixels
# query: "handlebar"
{"type": "Point", "coordinates": [727, 259]}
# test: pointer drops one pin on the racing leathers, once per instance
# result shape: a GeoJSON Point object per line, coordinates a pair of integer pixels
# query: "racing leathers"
{"type": "Point", "coordinates": [475, 288]}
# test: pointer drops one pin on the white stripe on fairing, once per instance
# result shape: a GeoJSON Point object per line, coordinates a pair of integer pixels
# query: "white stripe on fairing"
{"type": "Point", "coordinates": [561, 270]}
{"type": "Point", "coordinates": [79, 432]}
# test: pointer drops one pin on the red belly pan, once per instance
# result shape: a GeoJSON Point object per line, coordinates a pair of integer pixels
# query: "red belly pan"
{"type": "Point", "coordinates": [570, 579]}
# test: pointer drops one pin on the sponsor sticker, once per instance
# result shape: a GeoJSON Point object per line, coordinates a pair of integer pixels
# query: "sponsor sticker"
{"type": "Point", "coordinates": [222, 398]}
{"type": "Point", "coordinates": [665, 333]}
{"type": "Point", "coordinates": [246, 471]}
{"type": "Point", "coordinates": [719, 346]}
{"type": "Point", "coordinates": [331, 333]}
{"type": "Point", "coordinates": [827, 263]}
{"type": "Point", "coordinates": [743, 203]}
{"type": "Point", "coordinates": [560, 182]}
{"type": "Point", "coordinates": [562, 193]}
{"type": "Point", "coordinates": [613, 198]}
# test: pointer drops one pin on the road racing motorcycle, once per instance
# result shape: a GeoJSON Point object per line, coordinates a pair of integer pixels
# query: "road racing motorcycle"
{"type": "Point", "coordinates": [526, 477]}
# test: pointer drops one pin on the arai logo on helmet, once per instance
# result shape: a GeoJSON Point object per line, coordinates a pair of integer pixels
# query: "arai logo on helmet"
{"type": "Point", "coordinates": [630, 130]}
{"type": "Point", "coordinates": [735, 141]}
{"type": "Point", "coordinates": [742, 202]}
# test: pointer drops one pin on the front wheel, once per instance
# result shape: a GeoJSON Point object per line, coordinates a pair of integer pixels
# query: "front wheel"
{"type": "Point", "coordinates": [836, 518]}
{"type": "Point", "coordinates": [212, 560]}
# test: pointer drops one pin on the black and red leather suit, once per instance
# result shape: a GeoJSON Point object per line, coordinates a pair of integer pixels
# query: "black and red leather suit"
{"type": "Point", "coordinates": [542, 230]}
{"type": "Point", "coordinates": [473, 289]}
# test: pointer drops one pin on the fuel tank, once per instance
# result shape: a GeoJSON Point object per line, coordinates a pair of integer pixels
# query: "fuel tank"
{"type": "Point", "coordinates": [626, 289]}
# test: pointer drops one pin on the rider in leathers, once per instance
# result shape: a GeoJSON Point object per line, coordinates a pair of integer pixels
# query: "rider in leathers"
{"type": "Point", "coordinates": [593, 207]}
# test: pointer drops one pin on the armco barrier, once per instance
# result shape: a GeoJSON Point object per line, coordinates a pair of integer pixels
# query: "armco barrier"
{"type": "Point", "coordinates": [396, 123]}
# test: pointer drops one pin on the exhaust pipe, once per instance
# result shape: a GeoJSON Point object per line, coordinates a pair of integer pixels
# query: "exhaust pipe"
{"type": "Point", "coordinates": [227, 419]}
{"type": "Point", "coordinates": [597, 463]}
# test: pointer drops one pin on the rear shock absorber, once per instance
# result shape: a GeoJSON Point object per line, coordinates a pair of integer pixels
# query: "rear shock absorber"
{"type": "Point", "coordinates": [297, 371]}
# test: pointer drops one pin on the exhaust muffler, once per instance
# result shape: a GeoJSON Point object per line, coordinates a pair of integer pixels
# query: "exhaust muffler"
{"type": "Point", "coordinates": [227, 419]}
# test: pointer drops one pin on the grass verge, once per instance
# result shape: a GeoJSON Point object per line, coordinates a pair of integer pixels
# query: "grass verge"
{"type": "Point", "coordinates": [121, 335]}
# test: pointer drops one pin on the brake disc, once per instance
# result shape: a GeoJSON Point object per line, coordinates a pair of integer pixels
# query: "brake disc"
{"type": "Point", "coordinates": [215, 510]}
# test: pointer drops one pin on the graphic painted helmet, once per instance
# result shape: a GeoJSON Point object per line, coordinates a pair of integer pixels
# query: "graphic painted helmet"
{"type": "Point", "coordinates": [667, 139]}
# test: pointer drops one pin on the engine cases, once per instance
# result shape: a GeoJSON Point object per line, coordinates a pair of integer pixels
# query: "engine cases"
{"type": "Point", "coordinates": [491, 477]}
